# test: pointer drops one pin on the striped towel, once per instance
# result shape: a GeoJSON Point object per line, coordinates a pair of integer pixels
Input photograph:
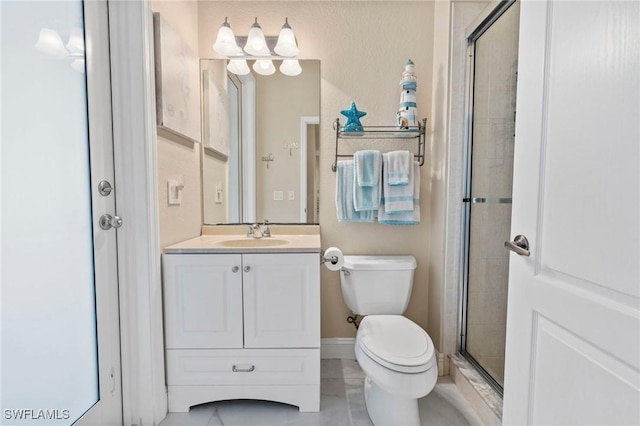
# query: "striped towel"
{"type": "Point", "coordinates": [399, 198]}
{"type": "Point", "coordinates": [407, 218]}
{"type": "Point", "coordinates": [344, 195]}
{"type": "Point", "coordinates": [398, 167]}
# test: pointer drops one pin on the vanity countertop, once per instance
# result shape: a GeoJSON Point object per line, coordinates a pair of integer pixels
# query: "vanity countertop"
{"type": "Point", "coordinates": [233, 239]}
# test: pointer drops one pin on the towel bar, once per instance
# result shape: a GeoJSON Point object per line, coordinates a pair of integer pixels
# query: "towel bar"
{"type": "Point", "coordinates": [381, 132]}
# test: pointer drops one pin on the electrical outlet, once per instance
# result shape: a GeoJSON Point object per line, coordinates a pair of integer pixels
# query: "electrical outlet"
{"type": "Point", "coordinates": [292, 195]}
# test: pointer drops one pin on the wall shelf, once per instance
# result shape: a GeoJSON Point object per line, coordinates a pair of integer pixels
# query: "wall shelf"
{"type": "Point", "coordinates": [390, 133]}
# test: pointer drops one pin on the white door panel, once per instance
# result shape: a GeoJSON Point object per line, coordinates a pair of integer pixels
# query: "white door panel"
{"type": "Point", "coordinates": [60, 331]}
{"type": "Point", "coordinates": [573, 333]}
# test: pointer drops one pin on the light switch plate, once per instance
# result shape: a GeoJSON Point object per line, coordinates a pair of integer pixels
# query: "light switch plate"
{"type": "Point", "coordinates": [173, 193]}
{"type": "Point", "coordinates": [218, 194]}
{"type": "Point", "coordinates": [292, 195]}
{"type": "Point", "coordinates": [278, 196]}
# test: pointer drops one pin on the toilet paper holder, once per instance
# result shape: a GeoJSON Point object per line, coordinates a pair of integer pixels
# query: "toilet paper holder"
{"type": "Point", "coordinates": [333, 259]}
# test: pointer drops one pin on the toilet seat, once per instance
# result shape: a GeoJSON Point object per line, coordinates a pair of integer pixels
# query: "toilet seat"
{"type": "Point", "coordinates": [396, 343]}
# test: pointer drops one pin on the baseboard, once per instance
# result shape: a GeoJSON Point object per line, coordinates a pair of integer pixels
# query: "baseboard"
{"type": "Point", "coordinates": [443, 364]}
{"type": "Point", "coordinates": [337, 348]}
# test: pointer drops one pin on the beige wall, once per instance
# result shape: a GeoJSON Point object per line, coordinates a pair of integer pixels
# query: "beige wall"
{"type": "Point", "coordinates": [280, 102]}
{"type": "Point", "coordinates": [179, 159]}
{"type": "Point", "coordinates": [363, 47]}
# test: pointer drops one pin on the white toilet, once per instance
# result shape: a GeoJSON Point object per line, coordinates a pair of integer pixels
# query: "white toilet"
{"type": "Point", "coordinates": [397, 355]}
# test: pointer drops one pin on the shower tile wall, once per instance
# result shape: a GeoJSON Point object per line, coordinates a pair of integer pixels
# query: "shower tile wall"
{"type": "Point", "coordinates": [492, 177]}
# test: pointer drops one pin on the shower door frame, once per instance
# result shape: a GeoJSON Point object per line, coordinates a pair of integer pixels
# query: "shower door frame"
{"type": "Point", "coordinates": [471, 39]}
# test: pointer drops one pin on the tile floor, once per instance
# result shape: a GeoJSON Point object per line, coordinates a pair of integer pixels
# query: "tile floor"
{"type": "Point", "coordinates": [341, 404]}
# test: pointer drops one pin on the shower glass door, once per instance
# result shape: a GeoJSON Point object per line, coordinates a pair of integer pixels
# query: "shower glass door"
{"type": "Point", "coordinates": [493, 50]}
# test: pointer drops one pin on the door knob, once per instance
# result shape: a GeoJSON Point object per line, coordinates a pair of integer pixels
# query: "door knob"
{"type": "Point", "coordinates": [519, 245]}
{"type": "Point", "coordinates": [247, 268]}
{"type": "Point", "coordinates": [107, 221]}
{"type": "Point", "coordinates": [235, 269]}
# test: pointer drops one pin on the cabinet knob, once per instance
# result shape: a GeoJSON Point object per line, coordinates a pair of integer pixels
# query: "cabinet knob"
{"type": "Point", "coordinates": [235, 269]}
{"type": "Point", "coordinates": [247, 268]}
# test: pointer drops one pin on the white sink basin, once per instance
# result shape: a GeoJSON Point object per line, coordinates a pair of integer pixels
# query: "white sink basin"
{"type": "Point", "coordinates": [253, 242]}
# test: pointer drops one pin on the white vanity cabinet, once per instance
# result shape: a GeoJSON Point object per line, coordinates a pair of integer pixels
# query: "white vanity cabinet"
{"type": "Point", "coordinates": [242, 326]}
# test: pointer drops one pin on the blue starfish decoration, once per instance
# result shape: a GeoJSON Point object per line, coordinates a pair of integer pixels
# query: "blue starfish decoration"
{"type": "Point", "coordinates": [353, 118]}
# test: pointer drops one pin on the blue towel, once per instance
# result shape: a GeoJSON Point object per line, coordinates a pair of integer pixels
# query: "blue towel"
{"type": "Point", "coordinates": [367, 197]}
{"type": "Point", "coordinates": [344, 195]}
{"type": "Point", "coordinates": [399, 198]}
{"type": "Point", "coordinates": [407, 218]}
{"type": "Point", "coordinates": [368, 166]}
{"type": "Point", "coordinates": [399, 167]}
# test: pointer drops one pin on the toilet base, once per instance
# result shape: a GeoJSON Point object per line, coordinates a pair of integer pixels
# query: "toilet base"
{"type": "Point", "coordinates": [386, 409]}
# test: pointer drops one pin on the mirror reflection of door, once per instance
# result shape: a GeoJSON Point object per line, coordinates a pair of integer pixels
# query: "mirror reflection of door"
{"type": "Point", "coordinates": [234, 172]}
{"type": "Point", "coordinates": [310, 158]}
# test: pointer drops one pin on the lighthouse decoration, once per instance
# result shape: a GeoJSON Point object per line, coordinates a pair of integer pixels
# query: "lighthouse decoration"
{"type": "Point", "coordinates": [407, 116]}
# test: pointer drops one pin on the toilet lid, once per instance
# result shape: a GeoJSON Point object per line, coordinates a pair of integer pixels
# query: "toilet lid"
{"type": "Point", "coordinates": [396, 343]}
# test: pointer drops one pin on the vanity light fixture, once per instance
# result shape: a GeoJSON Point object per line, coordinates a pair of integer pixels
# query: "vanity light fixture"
{"type": "Point", "coordinates": [286, 45]}
{"type": "Point", "coordinates": [264, 67]}
{"type": "Point", "coordinates": [256, 43]}
{"type": "Point", "coordinates": [290, 67]}
{"type": "Point", "coordinates": [226, 41]}
{"type": "Point", "coordinates": [238, 66]}
{"type": "Point", "coordinates": [258, 47]}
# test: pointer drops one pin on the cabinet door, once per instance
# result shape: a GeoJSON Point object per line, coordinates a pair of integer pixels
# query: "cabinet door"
{"type": "Point", "coordinates": [202, 301]}
{"type": "Point", "coordinates": [281, 300]}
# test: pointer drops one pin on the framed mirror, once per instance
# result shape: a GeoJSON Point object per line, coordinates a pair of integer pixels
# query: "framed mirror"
{"type": "Point", "coordinates": [260, 145]}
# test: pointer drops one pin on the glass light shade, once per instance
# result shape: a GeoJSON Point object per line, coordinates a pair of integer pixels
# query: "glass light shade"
{"type": "Point", "coordinates": [226, 41]}
{"type": "Point", "coordinates": [238, 67]}
{"type": "Point", "coordinates": [290, 67]}
{"type": "Point", "coordinates": [75, 45]}
{"type": "Point", "coordinates": [286, 45]}
{"type": "Point", "coordinates": [50, 43]}
{"type": "Point", "coordinates": [256, 44]}
{"type": "Point", "coordinates": [264, 67]}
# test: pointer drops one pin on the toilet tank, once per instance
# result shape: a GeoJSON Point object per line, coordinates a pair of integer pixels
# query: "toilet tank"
{"type": "Point", "coordinates": [377, 285]}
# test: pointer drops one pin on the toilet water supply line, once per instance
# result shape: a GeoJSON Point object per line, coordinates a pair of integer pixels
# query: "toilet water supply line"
{"type": "Point", "coordinates": [335, 260]}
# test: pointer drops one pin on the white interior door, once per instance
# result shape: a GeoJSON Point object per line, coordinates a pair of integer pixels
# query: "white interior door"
{"type": "Point", "coordinates": [573, 327]}
{"type": "Point", "coordinates": [60, 333]}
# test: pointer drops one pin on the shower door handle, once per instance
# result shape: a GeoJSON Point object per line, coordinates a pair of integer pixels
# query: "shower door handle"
{"type": "Point", "coordinates": [519, 245]}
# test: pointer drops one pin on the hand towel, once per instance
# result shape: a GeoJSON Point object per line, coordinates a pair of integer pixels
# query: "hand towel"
{"type": "Point", "coordinates": [344, 195]}
{"type": "Point", "coordinates": [407, 218]}
{"type": "Point", "coordinates": [367, 197]}
{"type": "Point", "coordinates": [399, 198]}
{"type": "Point", "coordinates": [399, 166]}
{"type": "Point", "coordinates": [368, 166]}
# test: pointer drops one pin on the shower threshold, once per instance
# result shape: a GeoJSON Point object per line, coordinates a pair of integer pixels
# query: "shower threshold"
{"type": "Point", "coordinates": [478, 389]}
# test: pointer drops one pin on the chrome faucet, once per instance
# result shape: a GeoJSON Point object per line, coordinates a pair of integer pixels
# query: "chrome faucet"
{"type": "Point", "coordinates": [263, 230]}
{"type": "Point", "coordinates": [266, 232]}
{"type": "Point", "coordinates": [251, 233]}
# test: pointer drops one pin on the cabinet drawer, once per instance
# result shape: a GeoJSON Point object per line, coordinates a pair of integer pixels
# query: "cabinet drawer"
{"type": "Point", "coordinates": [243, 366]}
